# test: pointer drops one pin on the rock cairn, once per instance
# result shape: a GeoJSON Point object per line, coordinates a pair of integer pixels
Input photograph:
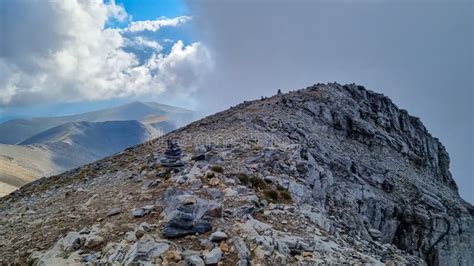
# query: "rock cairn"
{"type": "Point", "coordinates": [172, 155]}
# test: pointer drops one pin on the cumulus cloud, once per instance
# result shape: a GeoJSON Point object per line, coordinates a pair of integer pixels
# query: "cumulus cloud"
{"type": "Point", "coordinates": [62, 51]}
{"type": "Point", "coordinates": [183, 66]}
{"type": "Point", "coordinates": [155, 25]}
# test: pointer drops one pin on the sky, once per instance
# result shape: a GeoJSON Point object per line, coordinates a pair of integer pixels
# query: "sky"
{"type": "Point", "coordinates": [62, 57]}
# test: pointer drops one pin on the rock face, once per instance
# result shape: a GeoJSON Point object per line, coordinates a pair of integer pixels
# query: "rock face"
{"type": "Point", "coordinates": [330, 174]}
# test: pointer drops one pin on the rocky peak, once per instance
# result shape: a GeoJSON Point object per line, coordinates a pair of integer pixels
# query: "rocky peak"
{"type": "Point", "coordinates": [366, 182]}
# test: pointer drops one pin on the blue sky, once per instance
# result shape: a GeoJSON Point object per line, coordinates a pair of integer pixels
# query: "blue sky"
{"type": "Point", "coordinates": [152, 9]}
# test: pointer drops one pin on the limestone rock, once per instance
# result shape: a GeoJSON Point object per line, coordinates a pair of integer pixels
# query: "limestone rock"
{"type": "Point", "coordinates": [195, 260]}
{"type": "Point", "coordinates": [218, 236]}
{"type": "Point", "coordinates": [114, 211]}
{"type": "Point", "coordinates": [213, 257]}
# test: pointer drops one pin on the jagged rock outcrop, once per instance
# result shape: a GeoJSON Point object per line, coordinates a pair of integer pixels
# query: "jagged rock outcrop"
{"type": "Point", "coordinates": [327, 174]}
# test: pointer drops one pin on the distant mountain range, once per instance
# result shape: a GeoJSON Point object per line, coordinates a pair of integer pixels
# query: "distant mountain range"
{"type": "Point", "coordinates": [18, 130]}
{"type": "Point", "coordinates": [31, 148]}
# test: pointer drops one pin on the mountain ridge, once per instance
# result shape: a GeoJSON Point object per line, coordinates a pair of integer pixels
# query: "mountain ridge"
{"type": "Point", "coordinates": [366, 181]}
{"type": "Point", "coordinates": [17, 130]}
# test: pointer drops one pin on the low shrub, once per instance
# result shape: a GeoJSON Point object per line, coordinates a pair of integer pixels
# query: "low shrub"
{"type": "Point", "coordinates": [284, 194]}
{"type": "Point", "coordinates": [258, 182]}
{"type": "Point", "coordinates": [217, 169]}
{"type": "Point", "coordinates": [271, 195]}
{"type": "Point", "coordinates": [243, 178]}
{"type": "Point", "coordinates": [210, 175]}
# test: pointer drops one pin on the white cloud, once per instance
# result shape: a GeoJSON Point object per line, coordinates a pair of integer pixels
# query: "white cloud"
{"type": "Point", "coordinates": [155, 25]}
{"type": "Point", "coordinates": [182, 67]}
{"type": "Point", "coordinates": [71, 56]}
{"type": "Point", "coordinates": [141, 41]}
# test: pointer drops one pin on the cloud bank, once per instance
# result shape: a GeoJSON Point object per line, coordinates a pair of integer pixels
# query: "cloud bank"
{"type": "Point", "coordinates": [419, 53]}
{"type": "Point", "coordinates": [64, 51]}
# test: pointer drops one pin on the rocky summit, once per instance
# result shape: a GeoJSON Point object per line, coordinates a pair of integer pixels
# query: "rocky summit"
{"type": "Point", "coordinates": [329, 174]}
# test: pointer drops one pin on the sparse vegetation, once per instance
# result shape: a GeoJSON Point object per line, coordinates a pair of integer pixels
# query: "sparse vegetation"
{"type": "Point", "coordinates": [82, 174]}
{"type": "Point", "coordinates": [258, 182]}
{"type": "Point", "coordinates": [276, 195]}
{"type": "Point", "coordinates": [167, 175]}
{"type": "Point", "coordinates": [285, 195]}
{"type": "Point", "coordinates": [217, 169]}
{"type": "Point", "coordinates": [243, 178]}
{"type": "Point", "coordinates": [271, 195]}
{"type": "Point", "coordinates": [210, 175]}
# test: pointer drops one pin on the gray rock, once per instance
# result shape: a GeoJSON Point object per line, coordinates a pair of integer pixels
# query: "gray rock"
{"type": "Point", "coordinates": [148, 184]}
{"type": "Point", "coordinates": [148, 208]}
{"type": "Point", "coordinates": [138, 212]}
{"type": "Point", "coordinates": [229, 192]}
{"type": "Point", "coordinates": [376, 234]}
{"type": "Point", "coordinates": [72, 241]}
{"type": "Point", "coordinates": [213, 257]}
{"type": "Point", "coordinates": [196, 184]}
{"type": "Point", "coordinates": [185, 214]}
{"type": "Point", "coordinates": [145, 249]}
{"type": "Point", "coordinates": [93, 241]}
{"type": "Point", "coordinates": [242, 251]}
{"type": "Point", "coordinates": [269, 179]}
{"type": "Point", "coordinates": [130, 236]}
{"type": "Point", "coordinates": [214, 193]}
{"type": "Point", "coordinates": [218, 236]}
{"type": "Point", "coordinates": [114, 211]}
{"type": "Point", "coordinates": [194, 260]}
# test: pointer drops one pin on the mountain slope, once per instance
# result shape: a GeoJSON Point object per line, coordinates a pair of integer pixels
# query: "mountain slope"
{"type": "Point", "coordinates": [67, 146]}
{"type": "Point", "coordinates": [20, 165]}
{"type": "Point", "coordinates": [18, 130]}
{"type": "Point", "coordinates": [100, 139]}
{"type": "Point", "coordinates": [329, 174]}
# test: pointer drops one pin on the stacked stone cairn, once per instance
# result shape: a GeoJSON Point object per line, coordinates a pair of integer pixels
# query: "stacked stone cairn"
{"type": "Point", "coordinates": [172, 157]}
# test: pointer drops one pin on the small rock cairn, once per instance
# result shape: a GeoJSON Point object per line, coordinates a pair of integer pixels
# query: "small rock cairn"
{"type": "Point", "coordinates": [172, 157]}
